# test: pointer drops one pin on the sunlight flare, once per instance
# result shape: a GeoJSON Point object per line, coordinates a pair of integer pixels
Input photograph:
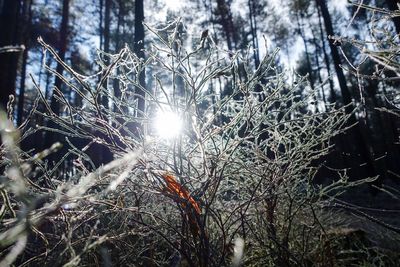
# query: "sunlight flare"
{"type": "Point", "coordinates": [168, 124]}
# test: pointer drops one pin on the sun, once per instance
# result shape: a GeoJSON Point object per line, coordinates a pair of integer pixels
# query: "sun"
{"type": "Point", "coordinates": [173, 5]}
{"type": "Point", "coordinates": [168, 124]}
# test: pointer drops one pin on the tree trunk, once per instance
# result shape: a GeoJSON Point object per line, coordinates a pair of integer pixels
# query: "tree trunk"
{"type": "Point", "coordinates": [225, 14]}
{"type": "Point", "coordinates": [100, 153]}
{"type": "Point", "coordinates": [107, 22]}
{"type": "Point", "coordinates": [107, 18]}
{"type": "Point", "coordinates": [101, 24]}
{"type": "Point", "coordinates": [253, 30]}
{"type": "Point", "coordinates": [21, 95]}
{"type": "Point", "coordinates": [62, 47]}
{"type": "Point", "coordinates": [319, 68]}
{"type": "Point", "coordinates": [357, 133]}
{"type": "Point", "coordinates": [347, 100]}
{"type": "Point", "coordinates": [139, 50]}
{"type": "Point", "coordinates": [8, 60]}
{"type": "Point", "coordinates": [332, 97]}
{"type": "Point", "coordinates": [117, 90]}
{"type": "Point", "coordinates": [27, 15]}
{"type": "Point", "coordinates": [309, 65]}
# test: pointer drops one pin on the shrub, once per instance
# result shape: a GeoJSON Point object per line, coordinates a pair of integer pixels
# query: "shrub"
{"type": "Point", "coordinates": [236, 184]}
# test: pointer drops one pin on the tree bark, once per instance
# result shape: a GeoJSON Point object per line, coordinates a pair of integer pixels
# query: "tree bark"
{"type": "Point", "coordinates": [319, 67]}
{"type": "Point", "coordinates": [357, 133]}
{"type": "Point", "coordinates": [308, 60]}
{"type": "Point", "coordinates": [121, 10]}
{"type": "Point", "coordinates": [332, 97]}
{"type": "Point", "coordinates": [347, 100]}
{"type": "Point", "coordinates": [27, 15]}
{"type": "Point", "coordinates": [8, 60]}
{"type": "Point", "coordinates": [253, 30]}
{"type": "Point", "coordinates": [101, 24]}
{"type": "Point", "coordinates": [62, 47]}
{"type": "Point", "coordinates": [107, 22]}
{"type": "Point", "coordinates": [139, 50]}
{"type": "Point", "coordinates": [226, 22]}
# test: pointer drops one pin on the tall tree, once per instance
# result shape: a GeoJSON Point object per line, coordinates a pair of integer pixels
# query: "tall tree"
{"type": "Point", "coordinates": [139, 50]}
{"type": "Point", "coordinates": [62, 48]}
{"type": "Point", "coordinates": [101, 2]}
{"type": "Point", "coordinates": [25, 30]}
{"type": "Point", "coordinates": [225, 19]}
{"type": "Point", "coordinates": [106, 35]}
{"type": "Point", "coordinates": [120, 18]}
{"type": "Point", "coordinates": [347, 99]}
{"type": "Point", "coordinates": [332, 97]}
{"type": "Point", "coordinates": [357, 134]}
{"type": "Point", "coordinates": [254, 8]}
{"type": "Point", "coordinates": [8, 37]}
{"type": "Point", "coordinates": [107, 25]}
{"type": "Point", "coordinates": [300, 28]}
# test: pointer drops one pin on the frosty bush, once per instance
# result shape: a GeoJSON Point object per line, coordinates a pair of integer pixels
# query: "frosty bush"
{"type": "Point", "coordinates": [234, 185]}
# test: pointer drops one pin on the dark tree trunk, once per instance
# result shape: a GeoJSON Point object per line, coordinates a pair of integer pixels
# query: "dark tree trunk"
{"type": "Point", "coordinates": [100, 153]}
{"type": "Point", "coordinates": [62, 47]}
{"type": "Point", "coordinates": [120, 21]}
{"type": "Point", "coordinates": [48, 82]}
{"type": "Point", "coordinates": [309, 65]}
{"type": "Point", "coordinates": [358, 133]}
{"type": "Point", "coordinates": [347, 100]}
{"type": "Point", "coordinates": [253, 30]}
{"type": "Point", "coordinates": [117, 90]}
{"type": "Point", "coordinates": [392, 4]}
{"type": "Point", "coordinates": [332, 97]}
{"type": "Point", "coordinates": [101, 24]}
{"type": "Point", "coordinates": [107, 22]}
{"type": "Point", "coordinates": [21, 94]}
{"type": "Point", "coordinates": [139, 50]}
{"type": "Point", "coordinates": [226, 21]}
{"type": "Point", "coordinates": [27, 15]}
{"type": "Point", "coordinates": [319, 68]}
{"type": "Point", "coordinates": [8, 60]}
{"type": "Point", "coordinates": [178, 91]}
